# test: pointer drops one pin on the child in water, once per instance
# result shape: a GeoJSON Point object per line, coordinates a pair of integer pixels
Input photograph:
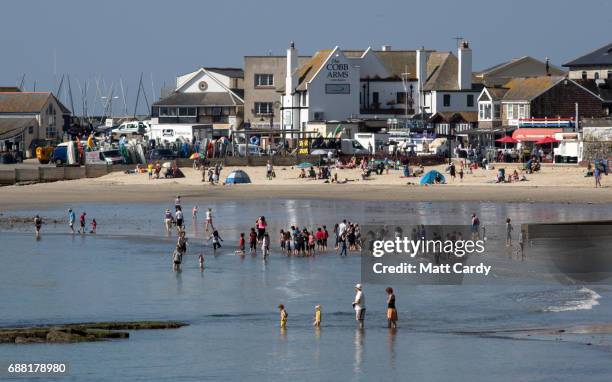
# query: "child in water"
{"type": "Point", "coordinates": [283, 316]}
{"type": "Point", "coordinates": [241, 244]}
{"type": "Point", "coordinates": [317, 317]}
{"type": "Point", "coordinates": [216, 240]}
{"type": "Point", "coordinates": [94, 225]}
{"type": "Point", "coordinates": [201, 261]}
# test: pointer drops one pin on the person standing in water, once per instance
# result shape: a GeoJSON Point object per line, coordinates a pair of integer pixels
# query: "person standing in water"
{"type": "Point", "coordinates": [168, 220]}
{"type": "Point", "coordinates": [194, 213]}
{"type": "Point", "coordinates": [177, 259]}
{"type": "Point", "coordinates": [177, 202]}
{"type": "Point", "coordinates": [209, 220]}
{"type": "Point", "coordinates": [317, 317]}
{"type": "Point", "coordinates": [179, 219]}
{"type": "Point", "coordinates": [37, 225]}
{"type": "Point", "coordinates": [241, 245]}
{"type": "Point", "coordinates": [94, 226]}
{"type": "Point", "coordinates": [253, 242]}
{"type": "Point", "coordinates": [509, 230]}
{"type": "Point", "coordinates": [71, 219]}
{"type": "Point", "coordinates": [283, 316]}
{"type": "Point", "coordinates": [359, 306]}
{"type": "Point", "coordinates": [265, 245]}
{"type": "Point", "coordinates": [391, 310]}
{"type": "Point", "coordinates": [216, 239]}
{"type": "Point", "coordinates": [201, 261]}
{"type": "Point", "coordinates": [475, 227]}
{"type": "Point", "coordinates": [82, 222]}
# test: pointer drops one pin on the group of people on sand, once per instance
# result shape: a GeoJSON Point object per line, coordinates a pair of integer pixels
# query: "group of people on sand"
{"type": "Point", "coordinates": [358, 305]}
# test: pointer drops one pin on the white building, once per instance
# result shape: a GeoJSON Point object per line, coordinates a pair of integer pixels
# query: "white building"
{"type": "Point", "coordinates": [340, 85]}
{"type": "Point", "coordinates": [207, 103]}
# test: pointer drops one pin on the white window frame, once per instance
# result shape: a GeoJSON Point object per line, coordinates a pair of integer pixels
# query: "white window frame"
{"type": "Point", "coordinates": [509, 111]}
{"type": "Point", "coordinates": [264, 84]}
{"type": "Point", "coordinates": [260, 109]}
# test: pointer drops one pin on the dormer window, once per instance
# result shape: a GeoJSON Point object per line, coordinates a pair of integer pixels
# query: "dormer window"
{"type": "Point", "coordinates": [584, 75]}
{"type": "Point", "coordinates": [596, 75]}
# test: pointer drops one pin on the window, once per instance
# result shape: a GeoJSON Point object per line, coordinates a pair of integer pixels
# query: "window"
{"type": "Point", "coordinates": [596, 75]}
{"type": "Point", "coordinates": [522, 111]}
{"type": "Point", "coordinates": [584, 75]}
{"type": "Point", "coordinates": [484, 111]}
{"type": "Point", "coordinates": [470, 101]}
{"type": "Point", "coordinates": [264, 80]}
{"type": "Point", "coordinates": [610, 74]}
{"type": "Point", "coordinates": [400, 98]}
{"type": "Point", "coordinates": [496, 111]}
{"type": "Point", "coordinates": [447, 100]}
{"type": "Point", "coordinates": [375, 100]}
{"type": "Point", "coordinates": [509, 112]}
{"type": "Point", "coordinates": [263, 108]}
{"type": "Point", "coordinates": [167, 112]}
{"type": "Point", "coordinates": [304, 99]}
{"type": "Point", "coordinates": [187, 112]}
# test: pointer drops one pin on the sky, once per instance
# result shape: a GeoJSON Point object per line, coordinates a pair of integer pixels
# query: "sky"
{"type": "Point", "coordinates": [103, 44]}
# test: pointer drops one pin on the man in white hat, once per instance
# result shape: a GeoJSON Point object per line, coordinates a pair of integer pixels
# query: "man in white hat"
{"type": "Point", "coordinates": [359, 305]}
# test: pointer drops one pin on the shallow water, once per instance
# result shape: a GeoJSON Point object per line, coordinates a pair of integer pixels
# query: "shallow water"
{"type": "Point", "coordinates": [124, 273]}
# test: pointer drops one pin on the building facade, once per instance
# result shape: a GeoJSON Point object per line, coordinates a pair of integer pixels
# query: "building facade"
{"type": "Point", "coordinates": [29, 118]}
{"type": "Point", "coordinates": [594, 65]}
{"type": "Point", "coordinates": [207, 103]}
{"type": "Point", "coordinates": [264, 76]}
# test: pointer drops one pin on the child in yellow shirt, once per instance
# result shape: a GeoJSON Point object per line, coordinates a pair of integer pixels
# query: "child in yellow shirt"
{"type": "Point", "coordinates": [283, 316]}
{"type": "Point", "coordinates": [317, 316]}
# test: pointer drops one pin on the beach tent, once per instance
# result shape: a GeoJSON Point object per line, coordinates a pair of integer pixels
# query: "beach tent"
{"type": "Point", "coordinates": [430, 177]}
{"type": "Point", "coordinates": [237, 176]}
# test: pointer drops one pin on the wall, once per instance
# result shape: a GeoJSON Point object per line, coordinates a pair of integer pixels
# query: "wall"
{"type": "Point", "coordinates": [458, 101]}
{"type": "Point", "coordinates": [561, 99]}
{"type": "Point", "coordinates": [275, 65]}
{"type": "Point", "coordinates": [334, 106]}
{"type": "Point", "coordinates": [576, 73]}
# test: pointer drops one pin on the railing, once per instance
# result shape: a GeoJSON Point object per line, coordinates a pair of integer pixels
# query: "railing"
{"type": "Point", "coordinates": [546, 122]}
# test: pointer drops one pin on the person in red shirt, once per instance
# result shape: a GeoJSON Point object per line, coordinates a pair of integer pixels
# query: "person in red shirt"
{"type": "Point", "coordinates": [320, 236]}
{"type": "Point", "coordinates": [241, 243]}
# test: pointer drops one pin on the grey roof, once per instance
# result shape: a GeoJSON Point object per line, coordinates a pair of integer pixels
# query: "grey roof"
{"type": "Point", "coordinates": [10, 127]}
{"type": "Point", "coordinates": [600, 56]}
{"type": "Point", "coordinates": [527, 89]}
{"type": "Point", "coordinates": [230, 72]}
{"type": "Point", "coordinates": [200, 99]}
{"type": "Point", "coordinates": [601, 87]}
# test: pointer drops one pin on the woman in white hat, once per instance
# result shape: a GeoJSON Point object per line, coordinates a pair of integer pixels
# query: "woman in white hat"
{"type": "Point", "coordinates": [359, 305]}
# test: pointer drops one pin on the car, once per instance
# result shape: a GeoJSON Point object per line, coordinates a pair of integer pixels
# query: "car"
{"type": "Point", "coordinates": [128, 129]}
{"type": "Point", "coordinates": [161, 154]}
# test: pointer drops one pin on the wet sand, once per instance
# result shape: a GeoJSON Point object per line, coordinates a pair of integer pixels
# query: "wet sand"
{"type": "Point", "coordinates": [559, 184]}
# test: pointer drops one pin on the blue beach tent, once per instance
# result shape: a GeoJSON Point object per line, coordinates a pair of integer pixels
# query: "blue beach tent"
{"type": "Point", "coordinates": [237, 176]}
{"type": "Point", "coordinates": [430, 177]}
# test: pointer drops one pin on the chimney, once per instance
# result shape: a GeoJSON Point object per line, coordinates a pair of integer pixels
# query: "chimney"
{"type": "Point", "coordinates": [421, 73]}
{"type": "Point", "coordinates": [292, 63]}
{"type": "Point", "coordinates": [464, 72]}
{"type": "Point", "coordinates": [386, 48]}
{"type": "Point", "coordinates": [547, 66]}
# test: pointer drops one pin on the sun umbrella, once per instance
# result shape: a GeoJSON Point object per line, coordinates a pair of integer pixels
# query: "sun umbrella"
{"type": "Point", "coordinates": [305, 165]}
{"type": "Point", "coordinates": [195, 156]}
{"type": "Point", "coordinates": [506, 139]}
{"type": "Point", "coordinates": [547, 140]}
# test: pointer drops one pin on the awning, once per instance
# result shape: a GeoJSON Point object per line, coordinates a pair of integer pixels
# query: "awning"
{"type": "Point", "coordinates": [527, 134]}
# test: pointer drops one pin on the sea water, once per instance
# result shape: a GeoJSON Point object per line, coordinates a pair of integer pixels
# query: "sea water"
{"type": "Point", "coordinates": [124, 272]}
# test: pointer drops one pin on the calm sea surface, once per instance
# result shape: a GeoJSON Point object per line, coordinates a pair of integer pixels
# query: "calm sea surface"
{"type": "Point", "coordinates": [124, 273]}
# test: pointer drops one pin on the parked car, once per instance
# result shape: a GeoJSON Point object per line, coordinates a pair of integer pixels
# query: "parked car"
{"type": "Point", "coordinates": [128, 129]}
{"type": "Point", "coordinates": [254, 150]}
{"type": "Point", "coordinates": [108, 157]}
{"type": "Point", "coordinates": [161, 154]}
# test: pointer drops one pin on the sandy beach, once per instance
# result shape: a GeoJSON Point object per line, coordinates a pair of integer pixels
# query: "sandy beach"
{"type": "Point", "coordinates": [564, 184]}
